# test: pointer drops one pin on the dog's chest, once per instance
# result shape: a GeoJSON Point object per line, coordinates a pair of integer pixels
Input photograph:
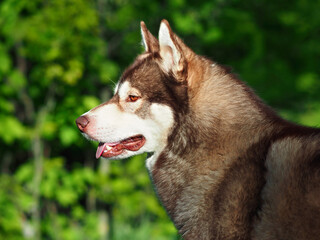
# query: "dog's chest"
{"type": "Point", "coordinates": [205, 198]}
{"type": "Point", "coordinates": [185, 193]}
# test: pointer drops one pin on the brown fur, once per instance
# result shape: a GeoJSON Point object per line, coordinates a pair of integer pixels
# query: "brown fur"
{"type": "Point", "coordinates": [232, 168]}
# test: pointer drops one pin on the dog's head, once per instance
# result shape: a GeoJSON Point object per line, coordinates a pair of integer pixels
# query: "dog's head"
{"type": "Point", "coordinates": [147, 101]}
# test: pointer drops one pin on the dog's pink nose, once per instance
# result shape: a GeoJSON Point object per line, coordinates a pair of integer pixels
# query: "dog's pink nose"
{"type": "Point", "coordinates": [82, 122]}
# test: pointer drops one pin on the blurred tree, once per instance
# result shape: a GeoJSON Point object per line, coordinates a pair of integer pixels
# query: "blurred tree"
{"type": "Point", "coordinates": [58, 59]}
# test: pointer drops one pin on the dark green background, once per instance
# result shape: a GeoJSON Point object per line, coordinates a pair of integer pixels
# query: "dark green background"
{"type": "Point", "coordinates": [60, 58]}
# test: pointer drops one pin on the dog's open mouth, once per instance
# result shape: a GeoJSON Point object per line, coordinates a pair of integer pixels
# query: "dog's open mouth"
{"type": "Point", "coordinates": [108, 150]}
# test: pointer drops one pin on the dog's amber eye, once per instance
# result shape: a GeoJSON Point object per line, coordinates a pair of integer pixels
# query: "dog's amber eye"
{"type": "Point", "coordinates": [133, 98]}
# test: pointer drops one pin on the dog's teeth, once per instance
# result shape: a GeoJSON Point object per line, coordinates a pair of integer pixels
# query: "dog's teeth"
{"type": "Point", "coordinates": [107, 148]}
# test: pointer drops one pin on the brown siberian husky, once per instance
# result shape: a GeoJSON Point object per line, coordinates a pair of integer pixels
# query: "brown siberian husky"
{"type": "Point", "coordinates": [224, 165]}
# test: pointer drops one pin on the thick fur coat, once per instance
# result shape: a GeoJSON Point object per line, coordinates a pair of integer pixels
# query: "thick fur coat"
{"type": "Point", "coordinates": [224, 165]}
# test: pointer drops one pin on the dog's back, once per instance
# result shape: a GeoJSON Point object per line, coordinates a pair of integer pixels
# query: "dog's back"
{"type": "Point", "coordinates": [291, 195]}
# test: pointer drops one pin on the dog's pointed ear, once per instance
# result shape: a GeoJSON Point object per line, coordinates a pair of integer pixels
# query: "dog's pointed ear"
{"type": "Point", "coordinates": [150, 43]}
{"type": "Point", "coordinates": [172, 51]}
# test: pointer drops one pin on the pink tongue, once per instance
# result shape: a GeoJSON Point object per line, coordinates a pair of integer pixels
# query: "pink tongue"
{"type": "Point", "coordinates": [100, 149]}
{"type": "Point", "coordinates": [132, 144]}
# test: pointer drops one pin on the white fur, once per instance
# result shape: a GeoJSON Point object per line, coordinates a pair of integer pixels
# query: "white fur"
{"type": "Point", "coordinates": [110, 123]}
{"type": "Point", "coordinates": [163, 117]}
{"type": "Point", "coordinates": [116, 88]}
{"type": "Point", "coordinates": [144, 43]}
{"type": "Point", "coordinates": [124, 90]}
{"type": "Point", "coordinates": [170, 58]}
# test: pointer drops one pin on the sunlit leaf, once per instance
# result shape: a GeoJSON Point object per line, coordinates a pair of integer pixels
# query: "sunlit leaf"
{"type": "Point", "coordinates": [68, 135]}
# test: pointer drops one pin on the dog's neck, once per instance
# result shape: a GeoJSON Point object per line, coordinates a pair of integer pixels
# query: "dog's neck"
{"type": "Point", "coordinates": [200, 187]}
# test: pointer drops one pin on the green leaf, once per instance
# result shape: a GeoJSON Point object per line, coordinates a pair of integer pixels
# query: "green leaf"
{"type": "Point", "coordinates": [5, 62]}
{"type": "Point", "coordinates": [17, 80]}
{"type": "Point", "coordinates": [90, 102]}
{"type": "Point", "coordinates": [74, 72]}
{"type": "Point", "coordinates": [108, 71]}
{"type": "Point", "coordinates": [49, 129]}
{"type": "Point", "coordinates": [6, 105]}
{"type": "Point", "coordinates": [11, 129]}
{"type": "Point", "coordinates": [66, 196]}
{"type": "Point", "coordinates": [68, 135]}
{"type": "Point", "coordinates": [308, 82]}
{"type": "Point", "coordinates": [24, 173]}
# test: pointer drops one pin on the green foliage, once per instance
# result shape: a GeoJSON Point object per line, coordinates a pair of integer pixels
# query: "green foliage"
{"type": "Point", "coordinates": [58, 59]}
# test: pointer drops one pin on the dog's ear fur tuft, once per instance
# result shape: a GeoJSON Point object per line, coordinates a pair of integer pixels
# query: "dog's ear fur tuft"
{"type": "Point", "coordinates": [171, 50]}
{"type": "Point", "coordinates": [150, 43]}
